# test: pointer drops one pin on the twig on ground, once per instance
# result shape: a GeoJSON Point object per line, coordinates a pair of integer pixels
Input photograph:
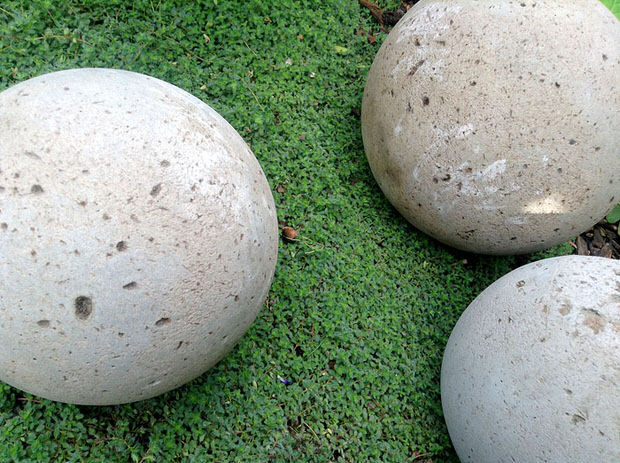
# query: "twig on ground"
{"type": "Point", "coordinates": [375, 11]}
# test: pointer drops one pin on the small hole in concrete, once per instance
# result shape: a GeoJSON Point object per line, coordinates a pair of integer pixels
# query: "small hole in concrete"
{"type": "Point", "coordinates": [121, 246]}
{"type": "Point", "coordinates": [83, 307]}
{"type": "Point", "coordinates": [156, 189]}
{"type": "Point", "coordinates": [43, 323]}
{"type": "Point", "coordinates": [162, 322]}
{"type": "Point", "coordinates": [131, 285]}
{"type": "Point", "coordinates": [36, 189]}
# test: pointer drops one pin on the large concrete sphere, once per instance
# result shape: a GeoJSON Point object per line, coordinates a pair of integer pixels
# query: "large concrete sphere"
{"type": "Point", "coordinates": [493, 126]}
{"type": "Point", "coordinates": [138, 236]}
{"type": "Point", "coordinates": [531, 372]}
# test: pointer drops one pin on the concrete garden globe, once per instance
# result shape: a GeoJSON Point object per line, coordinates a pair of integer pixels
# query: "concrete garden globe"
{"type": "Point", "coordinates": [531, 371]}
{"type": "Point", "coordinates": [494, 126]}
{"type": "Point", "coordinates": [138, 236]}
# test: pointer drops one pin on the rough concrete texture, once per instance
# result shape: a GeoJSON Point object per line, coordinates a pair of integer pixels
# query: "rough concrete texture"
{"type": "Point", "coordinates": [531, 372]}
{"type": "Point", "coordinates": [493, 126]}
{"type": "Point", "coordinates": [138, 236]}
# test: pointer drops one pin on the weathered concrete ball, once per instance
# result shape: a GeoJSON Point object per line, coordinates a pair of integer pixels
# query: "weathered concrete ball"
{"type": "Point", "coordinates": [138, 236]}
{"type": "Point", "coordinates": [531, 371]}
{"type": "Point", "coordinates": [493, 126]}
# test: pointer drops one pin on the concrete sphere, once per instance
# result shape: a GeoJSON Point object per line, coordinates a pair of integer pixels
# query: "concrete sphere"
{"type": "Point", "coordinates": [138, 236]}
{"type": "Point", "coordinates": [531, 371]}
{"type": "Point", "coordinates": [493, 126]}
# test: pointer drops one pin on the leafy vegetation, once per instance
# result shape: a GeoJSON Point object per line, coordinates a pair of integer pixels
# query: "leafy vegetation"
{"type": "Point", "coordinates": [362, 304]}
{"type": "Point", "coordinates": [614, 215]}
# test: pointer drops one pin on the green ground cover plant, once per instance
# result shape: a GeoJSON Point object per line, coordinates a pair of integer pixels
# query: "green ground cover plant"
{"type": "Point", "coordinates": [362, 303]}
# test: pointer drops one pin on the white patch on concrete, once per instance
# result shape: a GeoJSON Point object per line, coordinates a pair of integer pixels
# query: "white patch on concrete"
{"type": "Point", "coordinates": [551, 204]}
{"type": "Point", "coordinates": [457, 132]}
{"type": "Point", "coordinates": [433, 18]}
{"type": "Point", "coordinates": [399, 128]}
{"type": "Point", "coordinates": [493, 170]}
{"type": "Point", "coordinates": [435, 69]}
{"type": "Point", "coordinates": [481, 183]}
{"type": "Point", "coordinates": [516, 220]}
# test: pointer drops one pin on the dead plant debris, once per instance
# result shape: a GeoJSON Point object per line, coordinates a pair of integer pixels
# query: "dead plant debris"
{"type": "Point", "coordinates": [289, 234]}
{"type": "Point", "coordinates": [601, 240]}
{"type": "Point", "coordinates": [387, 18]}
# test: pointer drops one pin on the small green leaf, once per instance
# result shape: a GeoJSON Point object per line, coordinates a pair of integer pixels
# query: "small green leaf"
{"type": "Point", "coordinates": [614, 215]}
{"type": "Point", "coordinates": [340, 49]}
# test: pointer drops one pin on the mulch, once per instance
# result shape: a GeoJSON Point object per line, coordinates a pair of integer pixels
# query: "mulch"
{"type": "Point", "coordinates": [600, 240]}
{"type": "Point", "coordinates": [388, 18]}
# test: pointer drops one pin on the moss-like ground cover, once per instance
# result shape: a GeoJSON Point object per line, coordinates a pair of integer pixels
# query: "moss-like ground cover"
{"type": "Point", "coordinates": [361, 306]}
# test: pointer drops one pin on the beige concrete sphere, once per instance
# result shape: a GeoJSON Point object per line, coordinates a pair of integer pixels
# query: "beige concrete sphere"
{"type": "Point", "coordinates": [494, 126]}
{"type": "Point", "coordinates": [138, 236]}
{"type": "Point", "coordinates": [531, 371]}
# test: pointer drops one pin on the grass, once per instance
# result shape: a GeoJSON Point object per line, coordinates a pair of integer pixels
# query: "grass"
{"type": "Point", "coordinates": [361, 307]}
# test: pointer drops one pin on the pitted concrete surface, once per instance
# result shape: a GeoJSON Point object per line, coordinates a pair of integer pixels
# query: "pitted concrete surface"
{"type": "Point", "coordinates": [493, 126]}
{"type": "Point", "coordinates": [532, 369]}
{"type": "Point", "coordinates": [138, 236]}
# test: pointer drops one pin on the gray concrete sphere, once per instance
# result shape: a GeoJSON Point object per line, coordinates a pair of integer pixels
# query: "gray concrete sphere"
{"type": "Point", "coordinates": [531, 372]}
{"type": "Point", "coordinates": [493, 126]}
{"type": "Point", "coordinates": [138, 236]}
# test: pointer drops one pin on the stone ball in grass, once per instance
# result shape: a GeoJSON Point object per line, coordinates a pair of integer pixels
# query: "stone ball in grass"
{"type": "Point", "coordinates": [138, 236]}
{"type": "Point", "coordinates": [531, 371]}
{"type": "Point", "coordinates": [493, 126]}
